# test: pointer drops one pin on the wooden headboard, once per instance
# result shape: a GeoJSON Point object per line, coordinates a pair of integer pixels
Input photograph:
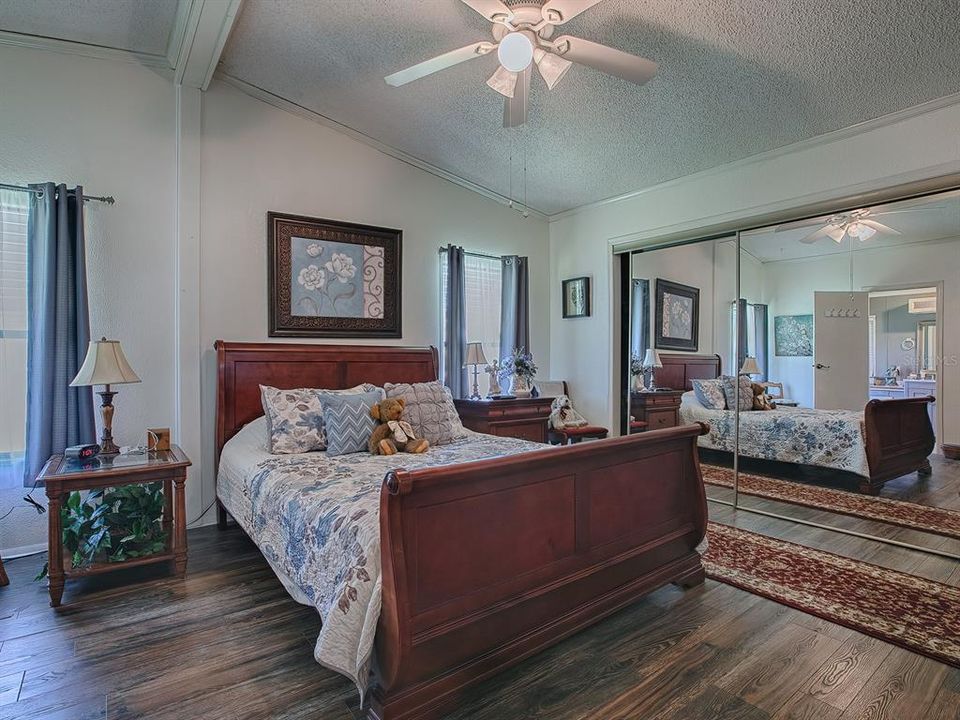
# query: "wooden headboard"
{"type": "Point", "coordinates": [679, 371]}
{"type": "Point", "coordinates": [243, 367]}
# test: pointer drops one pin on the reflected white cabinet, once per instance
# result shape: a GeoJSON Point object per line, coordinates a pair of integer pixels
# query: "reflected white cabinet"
{"type": "Point", "coordinates": [886, 392]}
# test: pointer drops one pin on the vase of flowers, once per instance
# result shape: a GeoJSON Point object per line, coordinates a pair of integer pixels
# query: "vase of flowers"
{"type": "Point", "coordinates": [636, 372]}
{"type": "Point", "coordinates": [522, 369]}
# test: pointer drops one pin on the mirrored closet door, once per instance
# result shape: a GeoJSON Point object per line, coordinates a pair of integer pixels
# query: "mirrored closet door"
{"type": "Point", "coordinates": [849, 329]}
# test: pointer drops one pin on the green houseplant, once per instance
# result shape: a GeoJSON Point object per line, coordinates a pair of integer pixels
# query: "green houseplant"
{"type": "Point", "coordinates": [113, 524]}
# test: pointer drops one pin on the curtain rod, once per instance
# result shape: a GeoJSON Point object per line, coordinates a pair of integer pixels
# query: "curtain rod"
{"type": "Point", "coordinates": [475, 254]}
{"type": "Point", "coordinates": [108, 199]}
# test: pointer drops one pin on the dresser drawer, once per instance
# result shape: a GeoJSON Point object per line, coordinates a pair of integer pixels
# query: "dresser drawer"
{"type": "Point", "coordinates": [522, 429]}
{"type": "Point", "coordinates": [659, 419]}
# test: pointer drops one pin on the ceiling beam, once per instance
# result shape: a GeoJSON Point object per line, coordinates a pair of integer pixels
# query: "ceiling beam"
{"type": "Point", "coordinates": [198, 38]}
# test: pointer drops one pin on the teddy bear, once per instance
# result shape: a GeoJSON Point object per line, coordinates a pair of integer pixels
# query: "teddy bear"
{"type": "Point", "coordinates": [393, 435]}
{"type": "Point", "coordinates": [761, 401]}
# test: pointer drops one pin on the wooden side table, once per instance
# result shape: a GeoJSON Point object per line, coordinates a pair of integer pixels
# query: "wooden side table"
{"type": "Point", "coordinates": [63, 475]}
{"type": "Point", "coordinates": [657, 409]}
{"type": "Point", "coordinates": [523, 418]}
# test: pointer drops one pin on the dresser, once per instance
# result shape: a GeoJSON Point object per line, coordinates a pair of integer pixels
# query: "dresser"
{"type": "Point", "coordinates": [524, 418]}
{"type": "Point", "coordinates": [923, 388]}
{"type": "Point", "coordinates": [657, 409]}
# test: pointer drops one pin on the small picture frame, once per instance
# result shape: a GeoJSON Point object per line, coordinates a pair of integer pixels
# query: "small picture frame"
{"type": "Point", "coordinates": [576, 297]}
{"type": "Point", "coordinates": [158, 438]}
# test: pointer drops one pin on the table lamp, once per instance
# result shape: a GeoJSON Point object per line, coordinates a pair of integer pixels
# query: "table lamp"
{"type": "Point", "coordinates": [651, 361]}
{"type": "Point", "coordinates": [105, 364]}
{"type": "Point", "coordinates": [750, 366]}
{"type": "Point", "coordinates": [475, 357]}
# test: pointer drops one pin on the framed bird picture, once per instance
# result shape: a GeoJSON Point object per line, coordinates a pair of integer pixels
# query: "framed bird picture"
{"type": "Point", "coordinates": [332, 279]}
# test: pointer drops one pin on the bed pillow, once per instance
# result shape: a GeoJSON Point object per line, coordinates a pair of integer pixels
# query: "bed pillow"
{"type": "Point", "coordinates": [746, 392]}
{"type": "Point", "coordinates": [295, 417]}
{"type": "Point", "coordinates": [430, 411]}
{"type": "Point", "coordinates": [348, 422]}
{"type": "Point", "coordinates": [710, 393]}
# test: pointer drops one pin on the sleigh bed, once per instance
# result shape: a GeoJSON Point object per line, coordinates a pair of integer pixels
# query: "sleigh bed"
{"type": "Point", "coordinates": [482, 563]}
{"type": "Point", "coordinates": [889, 438]}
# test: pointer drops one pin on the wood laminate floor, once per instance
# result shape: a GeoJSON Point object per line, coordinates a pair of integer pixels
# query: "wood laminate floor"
{"type": "Point", "coordinates": [229, 643]}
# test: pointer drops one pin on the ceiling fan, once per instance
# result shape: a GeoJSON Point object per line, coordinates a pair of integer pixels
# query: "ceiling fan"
{"type": "Point", "coordinates": [860, 224]}
{"type": "Point", "coordinates": [523, 36]}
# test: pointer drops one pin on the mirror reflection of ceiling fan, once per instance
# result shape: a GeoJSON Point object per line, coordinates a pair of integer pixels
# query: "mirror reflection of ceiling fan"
{"type": "Point", "coordinates": [861, 224]}
{"type": "Point", "coordinates": [523, 36]}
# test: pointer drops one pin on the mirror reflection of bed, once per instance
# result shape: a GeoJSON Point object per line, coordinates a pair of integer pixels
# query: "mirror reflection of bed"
{"type": "Point", "coordinates": [847, 327]}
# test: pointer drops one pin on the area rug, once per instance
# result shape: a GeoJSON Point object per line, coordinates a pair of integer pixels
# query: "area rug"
{"type": "Point", "coordinates": [918, 614]}
{"type": "Point", "coordinates": [895, 512]}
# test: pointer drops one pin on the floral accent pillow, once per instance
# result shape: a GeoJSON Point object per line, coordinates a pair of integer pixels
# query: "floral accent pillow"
{"type": "Point", "coordinates": [746, 392]}
{"type": "Point", "coordinates": [710, 393]}
{"type": "Point", "coordinates": [430, 410]}
{"type": "Point", "coordinates": [295, 417]}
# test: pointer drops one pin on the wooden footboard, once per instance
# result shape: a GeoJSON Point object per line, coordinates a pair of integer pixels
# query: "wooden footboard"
{"type": "Point", "coordinates": [899, 438]}
{"type": "Point", "coordinates": [486, 563]}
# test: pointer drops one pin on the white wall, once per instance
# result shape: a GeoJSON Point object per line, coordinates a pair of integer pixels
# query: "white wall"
{"type": "Point", "coordinates": [789, 286]}
{"type": "Point", "coordinates": [110, 127]}
{"type": "Point", "coordinates": [913, 147]}
{"type": "Point", "coordinates": [113, 126]}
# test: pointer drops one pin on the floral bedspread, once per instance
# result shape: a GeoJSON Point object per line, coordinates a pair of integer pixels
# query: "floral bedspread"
{"type": "Point", "coordinates": [316, 520]}
{"type": "Point", "coordinates": [827, 438]}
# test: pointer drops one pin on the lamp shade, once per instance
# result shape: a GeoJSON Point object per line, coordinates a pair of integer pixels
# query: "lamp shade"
{"type": "Point", "coordinates": [552, 67]}
{"type": "Point", "coordinates": [750, 366]}
{"type": "Point", "coordinates": [652, 359]}
{"type": "Point", "coordinates": [105, 364]}
{"type": "Point", "coordinates": [475, 354]}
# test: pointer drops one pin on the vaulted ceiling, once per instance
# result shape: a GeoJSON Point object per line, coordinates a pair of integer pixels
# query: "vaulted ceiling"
{"type": "Point", "coordinates": [735, 79]}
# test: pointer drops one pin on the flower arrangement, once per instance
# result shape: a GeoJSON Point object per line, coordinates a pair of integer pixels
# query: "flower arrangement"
{"type": "Point", "coordinates": [636, 365]}
{"type": "Point", "coordinates": [519, 363]}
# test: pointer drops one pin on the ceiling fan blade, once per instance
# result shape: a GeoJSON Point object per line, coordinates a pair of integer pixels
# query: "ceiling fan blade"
{"type": "Point", "coordinates": [557, 12]}
{"type": "Point", "coordinates": [632, 68]}
{"type": "Point", "coordinates": [816, 235]}
{"type": "Point", "coordinates": [438, 63]}
{"type": "Point", "coordinates": [515, 108]}
{"type": "Point", "coordinates": [880, 227]}
{"type": "Point", "coordinates": [492, 10]}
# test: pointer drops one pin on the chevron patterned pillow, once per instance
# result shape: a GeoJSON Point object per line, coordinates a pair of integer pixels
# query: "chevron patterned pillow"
{"type": "Point", "coordinates": [348, 421]}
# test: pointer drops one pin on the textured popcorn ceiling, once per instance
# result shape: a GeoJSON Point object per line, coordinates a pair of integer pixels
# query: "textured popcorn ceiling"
{"type": "Point", "coordinates": [736, 78]}
{"type": "Point", "coordinates": [138, 25]}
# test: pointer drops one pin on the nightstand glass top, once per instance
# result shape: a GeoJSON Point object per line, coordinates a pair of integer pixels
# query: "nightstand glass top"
{"type": "Point", "coordinates": [144, 460]}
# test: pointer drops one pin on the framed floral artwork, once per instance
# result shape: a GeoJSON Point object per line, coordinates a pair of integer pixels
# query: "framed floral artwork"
{"type": "Point", "coordinates": [677, 316]}
{"type": "Point", "coordinates": [332, 279]}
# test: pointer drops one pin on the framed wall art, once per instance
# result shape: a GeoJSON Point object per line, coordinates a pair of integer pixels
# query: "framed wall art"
{"type": "Point", "coordinates": [332, 279]}
{"type": "Point", "coordinates": [676, 316]}
{"type": "Point", "coordinates": [793, 336]}
{"type": "Point", "coordinates": [576, 297]}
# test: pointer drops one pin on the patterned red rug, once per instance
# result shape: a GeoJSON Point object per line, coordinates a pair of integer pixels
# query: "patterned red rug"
{"type": "Point", "coordinates": [896, 512]}
{"type": "Point", "coordinates": [918, 614]}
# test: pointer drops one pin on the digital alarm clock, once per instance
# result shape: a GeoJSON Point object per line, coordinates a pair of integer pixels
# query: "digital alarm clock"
{"type": "Point", "coordinates": [83, 452]}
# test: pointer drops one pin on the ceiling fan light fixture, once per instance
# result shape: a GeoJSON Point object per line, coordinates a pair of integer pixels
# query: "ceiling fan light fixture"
{"type": "Point", "coordinates": [836, 233]}
{"type": "Point", "coordinates": [860, 231]}
{"type": "Point", "coordinates": [503, 81]}
{"type": "Point", "coordinates": [515, 51]}
{"type": "Point", "coordinates": [552, 67]}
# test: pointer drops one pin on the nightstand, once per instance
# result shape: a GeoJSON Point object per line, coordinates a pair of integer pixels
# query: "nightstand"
{"type": "Point", "coordinates": [523, 418]}
{"type": "Point", "coordinates": [63, 475]}
{"type": "Point", "coordinates": [657, 409]}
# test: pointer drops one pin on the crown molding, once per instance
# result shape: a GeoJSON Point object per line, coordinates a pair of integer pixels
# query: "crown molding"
{"type": "Point", "coordinates": [810, 143]}
{"type": "Point", "coordinates": [100, 52]}
{"type": "Point", "coordinates": [291, 107]}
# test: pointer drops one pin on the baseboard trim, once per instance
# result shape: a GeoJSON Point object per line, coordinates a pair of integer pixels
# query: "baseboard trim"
{"type": "Point", "coordinates": [16, 552]}
{"type": "Point", "coordinates": [951, 452]}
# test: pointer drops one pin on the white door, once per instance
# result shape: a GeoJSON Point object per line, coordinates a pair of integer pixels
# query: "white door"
{"type": "Point", "coordinates": [841, 363]}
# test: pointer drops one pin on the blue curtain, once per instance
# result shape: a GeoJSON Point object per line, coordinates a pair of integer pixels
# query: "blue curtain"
{"type": "Point", "coordinates": [455, 332]}
{"type": "Point", "coordinates": [640, 317]}
{"type": "Point", "coordinates": [762, 351]}
{"type": "Point", "coordinates": [58, 326]}
{"type": "Point", "coordinates": [514, 305]}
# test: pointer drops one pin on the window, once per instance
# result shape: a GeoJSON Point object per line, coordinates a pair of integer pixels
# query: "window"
{"type": "Point", "coordinates": [756, 335]}
{"type": "Point", "coordinates": [13, 335]}
{"type": "Point", "coordinates": [482, 275]}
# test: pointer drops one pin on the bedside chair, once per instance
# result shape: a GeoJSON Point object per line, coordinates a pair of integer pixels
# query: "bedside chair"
{"type": "Point", "coordinates": [571, 435]}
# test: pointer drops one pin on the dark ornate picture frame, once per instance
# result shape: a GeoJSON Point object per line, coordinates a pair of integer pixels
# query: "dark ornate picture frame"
{"type": "Point", "coordinates": [366, 271]}
{"type": "Point", "coordinates": [666, 338]}
{"type": "Point", "coordinates": [582, 285]}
